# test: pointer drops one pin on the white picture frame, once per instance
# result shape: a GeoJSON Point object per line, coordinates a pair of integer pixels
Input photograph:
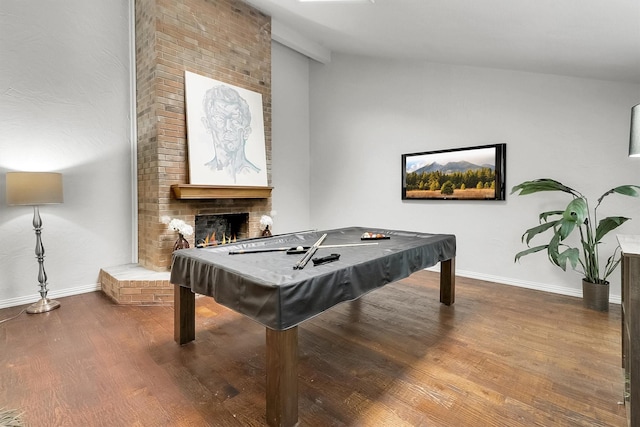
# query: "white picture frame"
{"type": "Point", "coordinates": [225, 133]}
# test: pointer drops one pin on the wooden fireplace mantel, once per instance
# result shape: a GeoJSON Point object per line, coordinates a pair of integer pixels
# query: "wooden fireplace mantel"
{"type": "Point", "coordinates": [195, 191]}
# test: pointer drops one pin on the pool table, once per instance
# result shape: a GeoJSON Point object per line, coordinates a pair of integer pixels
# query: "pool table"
{"type": "Point", "coordinates": [257, 278]}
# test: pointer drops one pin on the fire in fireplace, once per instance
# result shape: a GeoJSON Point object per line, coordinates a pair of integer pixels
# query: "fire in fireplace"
{"type": "Point", "coordinates": [221, 228]}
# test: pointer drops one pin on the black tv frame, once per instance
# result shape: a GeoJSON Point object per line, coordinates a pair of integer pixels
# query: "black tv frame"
{"type": "Point", "coordinates": [499, 155]}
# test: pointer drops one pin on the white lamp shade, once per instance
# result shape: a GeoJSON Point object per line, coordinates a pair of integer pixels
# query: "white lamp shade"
{"type": "Point", "coordinates": [34, 188]}
{"type": "Point", "coordinates": [634, 138]}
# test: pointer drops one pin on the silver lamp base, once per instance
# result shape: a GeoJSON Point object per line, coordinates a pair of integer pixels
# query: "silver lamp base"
{"type": "Point", "coordinates": [42, 306]}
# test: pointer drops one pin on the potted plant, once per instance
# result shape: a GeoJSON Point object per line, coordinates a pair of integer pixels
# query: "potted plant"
{"type": "Point", "coordinates": [576, 217]}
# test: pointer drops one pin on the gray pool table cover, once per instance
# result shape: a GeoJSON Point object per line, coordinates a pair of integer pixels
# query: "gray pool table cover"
{"type": "Point", "coordinates": [266, 288]}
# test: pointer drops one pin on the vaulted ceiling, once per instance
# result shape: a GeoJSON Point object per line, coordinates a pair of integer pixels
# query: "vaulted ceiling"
{"type": "Point", "coordinates": [584, 38]}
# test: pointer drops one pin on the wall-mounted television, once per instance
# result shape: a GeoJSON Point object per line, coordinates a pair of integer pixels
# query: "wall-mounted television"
{"type": "Point", "coordinates": [469, 173]}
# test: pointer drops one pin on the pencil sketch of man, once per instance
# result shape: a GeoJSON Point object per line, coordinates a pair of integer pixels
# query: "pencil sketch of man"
{"type": "Point", "coordinates": [228, 120]}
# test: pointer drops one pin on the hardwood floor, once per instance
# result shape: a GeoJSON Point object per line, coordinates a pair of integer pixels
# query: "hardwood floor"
{"type": "Point", "coordinates": [500, 356]}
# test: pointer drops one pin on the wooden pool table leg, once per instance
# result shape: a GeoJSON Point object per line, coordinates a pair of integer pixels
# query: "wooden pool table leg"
{"type": "Point", "coordinates": [184, 315]}
{"type": "Point", "coordinates": [448, 281]}
{"type": "Point", "coordinates": [282, 377]}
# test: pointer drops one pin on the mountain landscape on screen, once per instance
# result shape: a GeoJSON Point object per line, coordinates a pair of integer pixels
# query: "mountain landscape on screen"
{"type": "Point", "coordinates": [472, 173]}
{"type": "Point", "coordinates": [450, 167]}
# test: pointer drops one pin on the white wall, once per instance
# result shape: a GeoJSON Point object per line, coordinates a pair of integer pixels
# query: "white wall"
{"type": "Point", "coordinates": [290, 145]}
{"type": "Point", "coordinates": [365, 113]}
{"type": "Point", "coordinates": [65, 107]}
{"type": "Point", "coordinates": [338, 132]}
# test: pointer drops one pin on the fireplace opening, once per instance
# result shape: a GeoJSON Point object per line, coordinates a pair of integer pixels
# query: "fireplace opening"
{"type": "Point", "coordinates": [221, 228]}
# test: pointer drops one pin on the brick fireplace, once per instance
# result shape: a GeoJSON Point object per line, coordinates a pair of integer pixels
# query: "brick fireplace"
{"type": "Point", "coordinates": [226, 40]}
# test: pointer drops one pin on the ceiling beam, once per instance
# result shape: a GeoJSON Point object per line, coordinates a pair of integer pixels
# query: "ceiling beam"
{"type": "Point", "coordinates": [296, 41]}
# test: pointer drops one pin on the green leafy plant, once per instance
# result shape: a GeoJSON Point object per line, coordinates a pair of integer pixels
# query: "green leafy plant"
{"type": "Point", "coordinates": [576, 217]}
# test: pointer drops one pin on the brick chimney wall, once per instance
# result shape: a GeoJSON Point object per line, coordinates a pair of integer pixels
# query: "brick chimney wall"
{"type": "Point", "coordinates": [226, 40]}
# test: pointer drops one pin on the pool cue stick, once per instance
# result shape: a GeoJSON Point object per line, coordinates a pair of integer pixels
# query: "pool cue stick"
{"type": "Point", "coordinates": [305, 259]}
{"type": "Point", "coordinates": [346, 245]}
{"type": "Point", "coordinates": [260, 250]}
{"type": "Point", "coordinates": [216, 243]}
{"type": "Point", "coordinates": [256, 251]}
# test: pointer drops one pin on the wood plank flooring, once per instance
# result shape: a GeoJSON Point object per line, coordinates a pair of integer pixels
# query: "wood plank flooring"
{"type": "Point", "coordinates": [500, 356]}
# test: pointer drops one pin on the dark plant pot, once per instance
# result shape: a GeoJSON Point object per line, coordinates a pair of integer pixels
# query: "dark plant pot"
{"type": "Point", "coordinates": [595, 296]}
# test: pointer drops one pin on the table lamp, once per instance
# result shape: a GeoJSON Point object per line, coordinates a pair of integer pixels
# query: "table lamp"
{"type": "Point", "coordinates": [34, 189]}
{"type": "Point", "coordinates": [634, 138]}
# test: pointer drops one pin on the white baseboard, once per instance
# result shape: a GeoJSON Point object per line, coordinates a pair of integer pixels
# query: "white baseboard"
{"type": "Point", "coordinates": [53, 294]}
{"type": "Point", "coordinates": [614, 299]}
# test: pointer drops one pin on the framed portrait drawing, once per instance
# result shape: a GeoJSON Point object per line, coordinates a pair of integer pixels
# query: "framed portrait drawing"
{"type": "Point", "coordinates": [225, 133]}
